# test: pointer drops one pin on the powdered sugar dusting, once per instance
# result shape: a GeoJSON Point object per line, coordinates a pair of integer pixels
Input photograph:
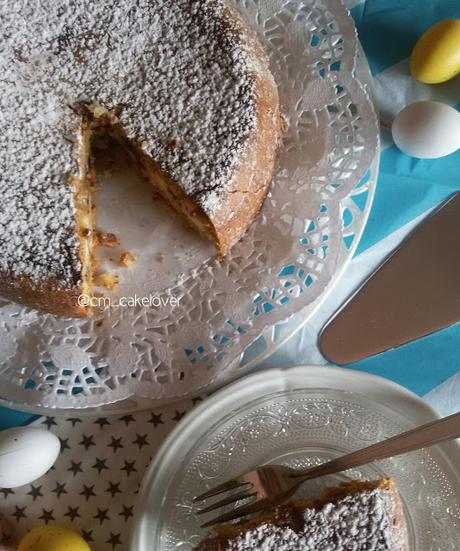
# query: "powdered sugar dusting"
{"type": "Point", "coordinates": [354, 523]}
{"type": "Point", "coordinates": [178, 75]}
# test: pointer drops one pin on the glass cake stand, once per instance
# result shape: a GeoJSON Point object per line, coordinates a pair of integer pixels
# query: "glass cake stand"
{"type": "Point", "coordinates": [231, 314]}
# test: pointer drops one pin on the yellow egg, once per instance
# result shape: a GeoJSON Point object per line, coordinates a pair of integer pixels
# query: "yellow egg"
{"type": "Point", "coordinates": [52, 538]}
{"type": "Point", "coordinates": [436, 56]}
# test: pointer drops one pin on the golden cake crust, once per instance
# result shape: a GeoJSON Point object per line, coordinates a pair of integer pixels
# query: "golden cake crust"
{"type": "Point", "coordinates": [253, 176]}
{"type": "Point", "coordinates": [48, 296]}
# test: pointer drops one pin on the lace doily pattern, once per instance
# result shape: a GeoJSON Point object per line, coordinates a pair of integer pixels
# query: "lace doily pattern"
{"type": "Point", "coordinates": [229, 313]}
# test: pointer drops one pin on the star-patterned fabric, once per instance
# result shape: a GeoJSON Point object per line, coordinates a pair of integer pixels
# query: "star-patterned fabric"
{"type": "Point", "coordinates": [94, 484]}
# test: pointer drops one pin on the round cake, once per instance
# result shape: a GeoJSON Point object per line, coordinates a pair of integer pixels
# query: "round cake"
{"type": "Point", "coordinates": [184, 84]}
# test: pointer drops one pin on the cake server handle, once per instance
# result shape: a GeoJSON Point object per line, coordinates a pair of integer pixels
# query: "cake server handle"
{"type": "Point", "coordinates": [441, 430]}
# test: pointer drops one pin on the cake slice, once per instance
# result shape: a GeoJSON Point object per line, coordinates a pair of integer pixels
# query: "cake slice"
{"type": "Point", "coordinates": [358, 516]}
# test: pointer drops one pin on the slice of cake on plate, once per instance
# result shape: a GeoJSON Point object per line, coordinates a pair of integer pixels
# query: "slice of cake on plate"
{"type": "Point", "coordinates": [355, 516]}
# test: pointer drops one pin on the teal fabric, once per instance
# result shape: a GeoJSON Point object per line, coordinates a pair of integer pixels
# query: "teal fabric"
{"type": "Point", "coordinates": [421, 365]}
{"type": "Point", "coordinates": [406, 188]}
{"type": "Point", "coordinates": [389, 29]}
{"type": "Point", "coordinates": [10, 418]}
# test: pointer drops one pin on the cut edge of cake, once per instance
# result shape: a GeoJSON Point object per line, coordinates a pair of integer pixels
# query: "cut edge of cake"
{"type": "Point", "coordinates": [243, 194]}
{"type": "Point", "coordinates": [254, 173]}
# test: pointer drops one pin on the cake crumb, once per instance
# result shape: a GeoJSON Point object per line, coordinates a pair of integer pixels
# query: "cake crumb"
{"type": "Point", "coordinates": [108, 280]}
{"type": "Point", "coordinates": [161, 258]}
{"type": "Point", "coordinates": [127, 259]}
{"type": "Point", "coordinates": [284, 123]}
{"type": "Point", "coordinates": [175, 143]}
{"type": "Point", "coordinates": [106, 239]}
{"type": "Point", "coordinates": [98, 111]}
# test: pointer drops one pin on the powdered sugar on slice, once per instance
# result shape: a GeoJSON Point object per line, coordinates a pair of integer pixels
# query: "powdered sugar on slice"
{"type": "Point", "coordinates": [355, 523]}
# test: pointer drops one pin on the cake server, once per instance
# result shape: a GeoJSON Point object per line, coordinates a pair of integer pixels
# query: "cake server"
{"type": "Point", "coordinates": [414, 293]}
{"type": "Point", "coordinates": [270, 485]}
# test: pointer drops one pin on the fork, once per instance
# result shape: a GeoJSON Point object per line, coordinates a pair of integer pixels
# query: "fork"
{"type": "Point", "coordinates": [270, 485]}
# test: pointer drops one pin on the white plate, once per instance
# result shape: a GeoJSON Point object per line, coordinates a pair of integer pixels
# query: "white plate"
{"type": "Point", "coordinates": [299, 417]}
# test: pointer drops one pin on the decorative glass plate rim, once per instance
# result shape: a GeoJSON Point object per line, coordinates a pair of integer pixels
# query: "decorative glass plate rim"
{"type": "Point", "coordinates": [256, 387]}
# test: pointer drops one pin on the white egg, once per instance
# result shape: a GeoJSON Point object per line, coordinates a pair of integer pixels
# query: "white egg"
{"type": "Point", "coordinates": [427, 130]}
{"type": "Point", "coordinates": [25, 455]}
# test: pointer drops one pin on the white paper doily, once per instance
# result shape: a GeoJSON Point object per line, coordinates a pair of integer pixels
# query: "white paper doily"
{"type": "Point", "coordinates": [230, 314]}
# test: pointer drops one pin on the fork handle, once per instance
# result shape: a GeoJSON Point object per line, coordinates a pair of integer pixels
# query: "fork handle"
{"type": "Point", "coordinates": [432, 433]}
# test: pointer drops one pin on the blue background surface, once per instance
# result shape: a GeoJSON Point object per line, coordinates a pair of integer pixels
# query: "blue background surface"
{"type": "Point", "coordinates": [407, 187]}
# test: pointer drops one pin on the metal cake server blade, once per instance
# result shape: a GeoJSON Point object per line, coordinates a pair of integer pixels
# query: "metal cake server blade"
{"type": "Point", "coordinates": [414, 293]}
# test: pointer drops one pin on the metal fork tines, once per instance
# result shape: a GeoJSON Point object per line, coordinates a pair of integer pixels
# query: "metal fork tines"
{"type": "Point", "coordinates": [257, 488]}
{"type": "Point", "coordinates": [271, 485]}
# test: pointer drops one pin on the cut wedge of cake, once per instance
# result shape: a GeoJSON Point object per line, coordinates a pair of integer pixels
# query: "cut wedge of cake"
{"type": "Point", "coordinates": [358, 516]}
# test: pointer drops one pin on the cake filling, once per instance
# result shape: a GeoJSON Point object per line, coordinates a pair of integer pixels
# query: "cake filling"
{"type": "Point", "coordinates": [99, 124]}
